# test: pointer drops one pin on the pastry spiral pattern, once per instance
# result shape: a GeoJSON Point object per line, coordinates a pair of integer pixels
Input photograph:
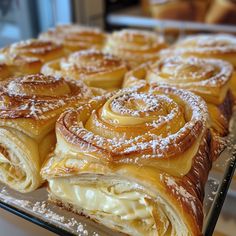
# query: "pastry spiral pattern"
{"type": "Point", "coordinates": [30, 106]}
{"type": "Point", "coordinates": [75, 38]}
{"type": "Point", "coordinates": [219, 46]}
{"type": "Point", "coordinates": [208, 78]}
{"type": "Point", "coordinates": [135, 46]}
{"type": "Point", "coordinates": [147, 143]}
{"type": "Point", "coordinates": [27, 57]}
{"type": "Point", "coordinates": [94, 68]}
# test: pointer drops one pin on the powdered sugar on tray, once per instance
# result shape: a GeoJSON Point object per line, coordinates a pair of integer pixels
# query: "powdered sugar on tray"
{"type": "Point", "coordinates": [44, 210]}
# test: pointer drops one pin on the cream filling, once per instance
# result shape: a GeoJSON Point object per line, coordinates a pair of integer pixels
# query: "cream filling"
{"type": "Point", "coordinates": [114, 200]}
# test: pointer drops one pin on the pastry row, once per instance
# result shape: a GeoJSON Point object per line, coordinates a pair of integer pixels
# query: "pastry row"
{"type": "Point", "coordinates": [208, 11]}
{"type": "Point", "coordinates": [135, 158]}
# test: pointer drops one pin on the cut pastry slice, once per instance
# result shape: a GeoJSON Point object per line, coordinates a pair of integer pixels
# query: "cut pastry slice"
{"type": "Point", "coordinates": [30, 106]}
{"type": "Point", "coordinates": [218, 46]}
{"type": "Point", "coordinates": [136, 161]}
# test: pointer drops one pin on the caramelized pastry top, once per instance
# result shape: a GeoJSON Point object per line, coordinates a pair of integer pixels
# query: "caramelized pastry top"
{"type": "Point", "coordinates": [208, 78]}
{"type": "Point", "coordinates": [33, 96]}
{"type": "Point", "coordinates": [94, 68]}
{"type": "Point", "coordinates": [135, 46]}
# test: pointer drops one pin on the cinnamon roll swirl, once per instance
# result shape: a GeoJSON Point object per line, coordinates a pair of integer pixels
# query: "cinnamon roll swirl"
{"type": "Point", "coordinates": [94, 68]}
{"type": "Point", "coordinates": [75, 37]}
{"type": "Point", "coordinates": [136, 161]}
{"type": "Point", "coordinates": [27, 57]}
{"type": "Point", "coordinates": [29, 107]}
{"type": "Point", "coordinates": [135, 46]}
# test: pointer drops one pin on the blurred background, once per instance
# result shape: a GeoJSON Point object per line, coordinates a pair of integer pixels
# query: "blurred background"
{"type": "Point", "coordinates": [22, 19]}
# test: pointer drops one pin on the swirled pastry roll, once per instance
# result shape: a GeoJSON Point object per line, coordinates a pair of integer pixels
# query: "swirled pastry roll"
{"type": "Point", "coordinates": [29, 107]}
{"type": "Point", "coordinates": [94, 68]}
{"type": "Point", "coordinates": [208, 78]}
{"type": "Point", "coordinates": [75, 37]}
{"type": "Point", "coordinates": [135, 46]}
{"type": "Point", "coordinates": [194, 10]}
{"type": "Point", "coordinates": [219, 46]}
{"type": "Point", "coordinates": [135, 161]}
{"type": "Point", "coordinates": [27, 57]}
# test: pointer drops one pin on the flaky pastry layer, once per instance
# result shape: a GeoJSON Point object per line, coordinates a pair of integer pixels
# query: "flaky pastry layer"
{"type": "Point", "coordinates": [30, 106]}
{"type": "Point", "coordinates": [144, 151]}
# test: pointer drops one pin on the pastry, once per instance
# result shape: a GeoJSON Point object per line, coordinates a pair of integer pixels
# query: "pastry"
{"type": "Point", "coordinates": [135, 46]}
{"type": "Point", "coordinates": [30, 106]}
{"type": "Point", "coordinates": [75, 37]}
{"type": "Point", "coordinates": [136, 161]}
{"type": "Point", "coordinates": [222, 12]}
{"type": "Point", "coordinates": [219, 46]}
{"type": "Point", "coordinates": [27, 57]}
{"type": "Point", "coordinates": [94, 68]}
{"type": "Point", "coordinates": [208, 78]}
{"type": "Point", "coordinates": [184, 10]}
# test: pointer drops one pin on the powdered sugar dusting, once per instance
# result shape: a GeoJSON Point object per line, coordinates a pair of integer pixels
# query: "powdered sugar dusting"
{"type": "Point", "coordinates": [209, 44]}
{"type": "Point", "coordinates": [190, 72]}
{"type": "Point", "coordinates": [35, 96]}
{"type": "Point", "coordinates": [149, 141]}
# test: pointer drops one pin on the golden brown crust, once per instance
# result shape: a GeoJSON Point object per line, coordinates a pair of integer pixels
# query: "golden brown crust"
{"type": "Point", "coordinates": [94, 68]}
{"type": "Point", "coordinates": [218, 46]}
{"type": "Point", "coordinates": [179, 10]}
{"type": "Point", "coordinates": [135, 133]}
{"type": "Point", "coordinates": [29, 107]}
{"type": "Point", "coordinates": [135, 46]}
{"type": "Point", "coordinates": [208, 78]}
{"type": "Point", "coordinates": [5, 71]}
{"type": "Point", "coordinates": [120, 152]}
{"type": "Point", "coordinates": [27, 57]}
{"type": "Point", "coordinates": [75, 37]}
{"type": "Point", "coordinates": [33, 96]}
